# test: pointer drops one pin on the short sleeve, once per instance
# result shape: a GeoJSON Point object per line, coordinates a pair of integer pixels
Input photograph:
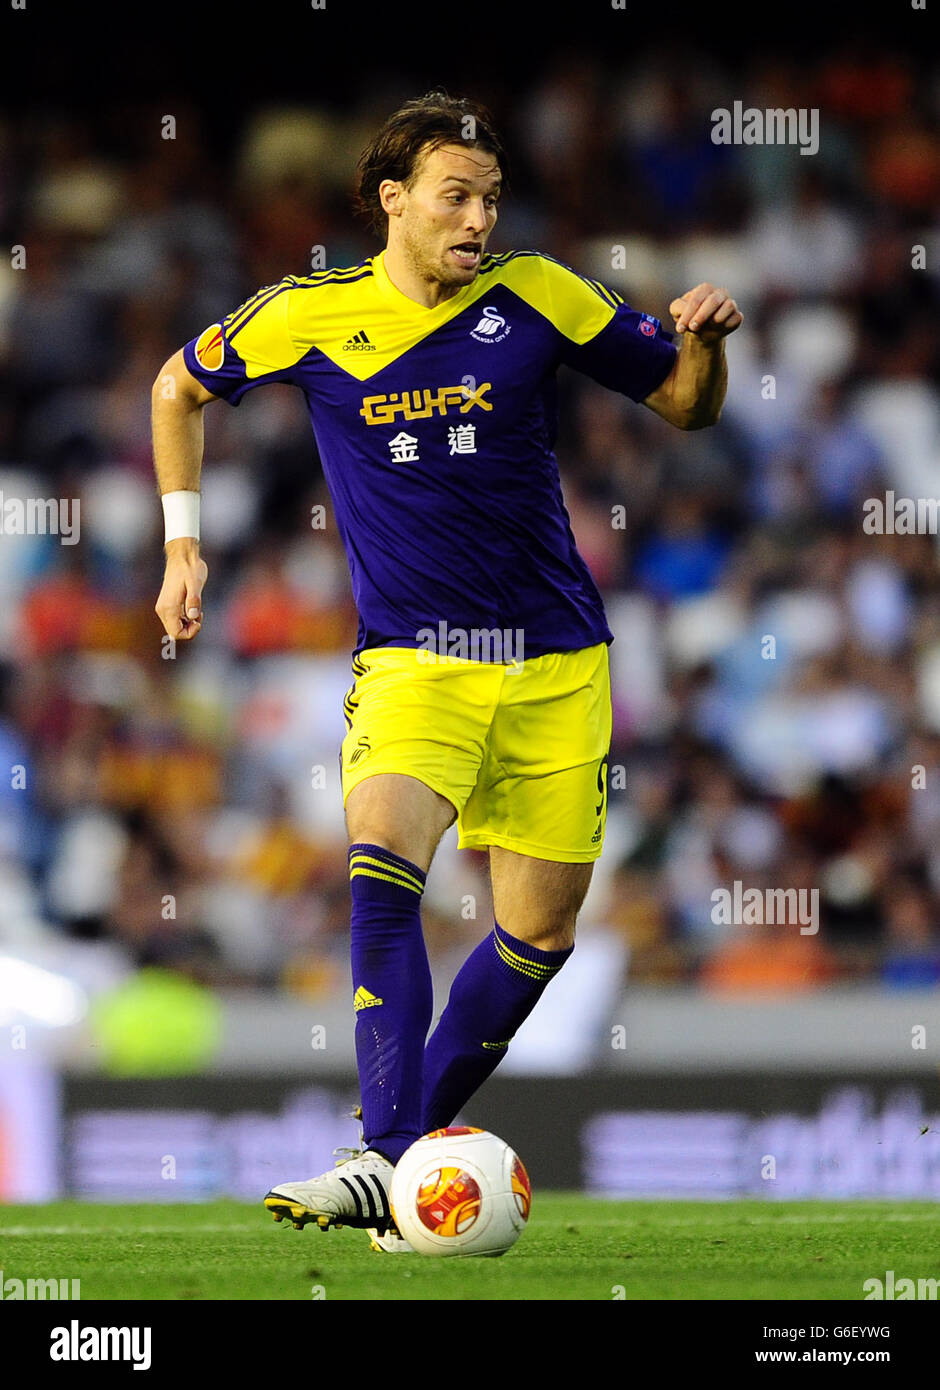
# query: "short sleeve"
{"type": "Point", "coordinates": [632, 353]}
{"type": "Point", "coordinates": [600, 334]}
{"type": "Point", "coordinates": [251, 346]}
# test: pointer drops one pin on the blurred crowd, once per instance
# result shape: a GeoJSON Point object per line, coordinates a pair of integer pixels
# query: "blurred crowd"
{"type": "Point", "coordinates": [776, 666]}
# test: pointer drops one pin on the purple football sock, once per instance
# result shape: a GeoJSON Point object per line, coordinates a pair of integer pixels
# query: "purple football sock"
{"type": "Point", "coordinates": [496, 989]}
{"type": "Point", "coordinates": [392, 995]}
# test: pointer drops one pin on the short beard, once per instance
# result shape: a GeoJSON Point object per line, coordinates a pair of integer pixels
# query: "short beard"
{"type": "Point", "coordinates": [414, 249]}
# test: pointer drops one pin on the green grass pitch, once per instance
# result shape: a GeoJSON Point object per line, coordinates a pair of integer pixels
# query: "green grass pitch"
{"type": "Point", "coordinates": [575, 1247]}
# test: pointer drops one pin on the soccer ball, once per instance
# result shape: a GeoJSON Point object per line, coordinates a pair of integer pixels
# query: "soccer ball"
{"type": "Point", "coordinates": [460, 1191]}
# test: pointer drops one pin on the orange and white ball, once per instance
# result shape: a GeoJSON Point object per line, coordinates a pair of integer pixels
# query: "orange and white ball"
{"type": "Point", "coordinates": [460, 1191]}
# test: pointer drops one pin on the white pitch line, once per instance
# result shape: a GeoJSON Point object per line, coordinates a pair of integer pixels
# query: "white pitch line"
{"type": "Point", "coordinates": [106, 1229]}
{"type": "Point", "coordinates": [721, 1219]}
{"type": "Point", "coordinates": [782, 1220]}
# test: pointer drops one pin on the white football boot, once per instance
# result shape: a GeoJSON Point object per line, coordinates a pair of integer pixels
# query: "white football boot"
{"type": "Point", "coordinates": [391, 1243]}
{"type": "Point", "coordinates": [354, 1193]}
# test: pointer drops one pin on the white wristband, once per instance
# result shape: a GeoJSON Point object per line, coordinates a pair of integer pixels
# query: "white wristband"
{"type": "Point", "coordinates": [181, 515]}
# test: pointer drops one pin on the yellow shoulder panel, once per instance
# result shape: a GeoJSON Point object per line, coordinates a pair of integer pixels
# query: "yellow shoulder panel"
{"type": "Point", "coordinates": [360, 321]}
{"type": "Point", "coordinates": [345, 319]}
{"type": "Point", "coordinates": [258, 331]}
{"type": "Point", "coordinates": [263, 329]}
{"type": "Point", "coordinates": [362, 324]}
{"type": "Point", "coordinates": [579, 308]}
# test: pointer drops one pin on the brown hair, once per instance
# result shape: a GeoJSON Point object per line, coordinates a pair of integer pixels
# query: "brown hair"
{"type": "Point", "coordinates": [412, 131]}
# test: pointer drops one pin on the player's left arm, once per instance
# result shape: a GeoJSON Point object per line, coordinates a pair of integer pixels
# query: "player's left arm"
{"type": "Point", "coordinates": [693, 393]}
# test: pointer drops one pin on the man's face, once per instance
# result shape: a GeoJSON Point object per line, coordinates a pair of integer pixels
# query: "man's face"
{"type": "Point", "coordinates": [444, 219]}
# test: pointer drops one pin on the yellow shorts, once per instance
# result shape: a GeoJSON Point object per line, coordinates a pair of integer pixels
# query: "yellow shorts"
{"type": "Point", "coordinates": [521, 753]}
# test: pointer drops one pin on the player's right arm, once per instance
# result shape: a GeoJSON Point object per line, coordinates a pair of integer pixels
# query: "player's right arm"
{"type": "Point", "coordinates": [177, 403]}
{"type": "Point", "coordinates": [247, 348]}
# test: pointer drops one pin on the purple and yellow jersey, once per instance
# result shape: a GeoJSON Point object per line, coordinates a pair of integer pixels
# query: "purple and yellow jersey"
{"type": "Point", "coordinates": [436, 430]}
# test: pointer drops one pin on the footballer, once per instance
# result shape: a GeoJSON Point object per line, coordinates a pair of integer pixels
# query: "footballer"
{"type": "Point", "coordinates": [429, 373]}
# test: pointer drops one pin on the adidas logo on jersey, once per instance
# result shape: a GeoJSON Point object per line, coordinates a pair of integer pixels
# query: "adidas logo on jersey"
{"type": "Point", "coordinates": [358, 343]}
{"type": "Point", "coordinates": [365, 999]}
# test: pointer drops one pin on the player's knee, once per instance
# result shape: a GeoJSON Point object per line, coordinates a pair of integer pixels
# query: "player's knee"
{"type": "Point", "coordinates": [554, 941]}
{"type": "Point", "coordinates": [398, 814]}
{"type": "Point", "coordinates": [552, 929]}
{"type": "Point", "coordinates": [414, 842]}
{"type": "Point", "coordinates": [543, 911]}
{"type": "Point", "coordinates": [415, 849]}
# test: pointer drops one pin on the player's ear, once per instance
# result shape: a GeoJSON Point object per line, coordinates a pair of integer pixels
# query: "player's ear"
{"type": "Point", "coordinates": [390, 196]}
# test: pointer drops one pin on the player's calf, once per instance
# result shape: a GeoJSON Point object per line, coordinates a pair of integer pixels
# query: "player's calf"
{"type": "Point", "coordinates": [495, 991]}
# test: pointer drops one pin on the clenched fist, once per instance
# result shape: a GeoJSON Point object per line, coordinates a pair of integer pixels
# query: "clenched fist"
{"type": "Point", "coordinates": [708, 313]}
{"type": "Point", "coordinates": [179, 606]}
